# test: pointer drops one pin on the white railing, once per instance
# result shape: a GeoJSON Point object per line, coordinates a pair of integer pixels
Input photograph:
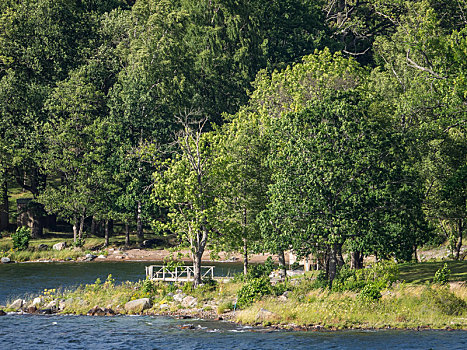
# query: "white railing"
{"type": "Point", "coordinates": [179, 273]}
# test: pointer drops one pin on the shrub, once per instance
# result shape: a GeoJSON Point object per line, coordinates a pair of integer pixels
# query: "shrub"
{"type": "Point", "coordinates": [253, 289]}
{"type": "Point", "coordinates": [370, 292]}
{"type": "Point", "coordinates": [21, 238]}
{"type": "Point", "coordinates": [148, 286]}
{"type": "Point", "coordinates": [261, 270]}
{"type": "Point", "coordinates": [442, 275]}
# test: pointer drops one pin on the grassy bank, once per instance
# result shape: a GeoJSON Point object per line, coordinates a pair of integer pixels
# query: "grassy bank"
{"type": "Point", "coordinates": [298, 302]}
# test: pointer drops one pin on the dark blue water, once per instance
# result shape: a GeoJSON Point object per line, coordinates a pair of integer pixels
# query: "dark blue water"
{"type": "Point", "coordinates": [20, 280]}
{"type": "Point", "coordinates": [144, 332]}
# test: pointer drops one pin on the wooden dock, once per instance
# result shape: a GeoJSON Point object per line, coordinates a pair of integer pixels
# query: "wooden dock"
{"type": "Point", "coordinates": [177, 274]}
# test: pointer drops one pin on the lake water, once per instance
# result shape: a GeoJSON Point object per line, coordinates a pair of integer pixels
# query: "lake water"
{"type": "Point", "coordinates": [145, 332]}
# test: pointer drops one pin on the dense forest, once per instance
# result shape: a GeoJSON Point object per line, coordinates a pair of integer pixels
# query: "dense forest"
{"type": "Point", "coordinates": [256, 126]}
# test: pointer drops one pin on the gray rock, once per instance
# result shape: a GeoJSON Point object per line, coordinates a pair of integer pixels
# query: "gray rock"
{"type": "Point", "coordinates": [2, 313]}
{"type": "Point", "coordinates": [189, 301]}
{"type": "Point", "coordinates": [164, 306]}
{"type": "Point", "coordinates": [43, 246]}
{"type": "Point", "coordinates": [5, 260]}
{"type": "Point", "coordinates": [179, 291]}
{"type": "Point", "coordinates": [170, 294]}
{"type": "Point", "coordinates": [17, 304]}
{"type": "Point", "coordinates": [59, 246]}
{"type": "Point", "coordinates": [138, 305]}
{"type": "Point", "coordinates": [179, 297]}
{"type": "Point", "coordinates": [101, 257]}
{"type": "Point", "coordinates": [52, 305]}
{"type": "Point", "coordinates": [36, 301]}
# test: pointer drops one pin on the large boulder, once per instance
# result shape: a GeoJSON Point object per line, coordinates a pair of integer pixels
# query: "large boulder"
{"type": "Point", "coordinates": [189, 301]}
{"type": "Point", "coordinates": [43, 246]}
{"type": "Point", "coordinates": [59, 246]}
{"type": "Point", "coordinates": [5, 260]}
{"type": "Point", "coordinates": [179, 297]}
{"type": "Point", "coordinates": [17, 304]}
{"type": "Point", "coordinates": [138, 305]}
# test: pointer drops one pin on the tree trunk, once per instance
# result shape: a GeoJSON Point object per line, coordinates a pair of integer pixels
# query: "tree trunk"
{"type": "Point", "coordinates": [4, 209]}
{"type": "Point", "coordinates": [200, 245]}
{"type": "Point", "coordinates": [356, 260]}
{"type": "Point", "coordinates": [93, 226]}
{"type": "Point", "coordinates": [81, 226]}
{"type": "Point", "coordinates": [139, 223]}
{"type": "Point", "coordinates": [75, 228]}
{"type": "Point", "coordinates": [340, 258]}
{"type": "Point", "coordinates": [332, 270]}
{"type": "Point", "coordinates": [415, 255]}
{"type": "Point", "coordinates": [281, 257]}
{"type": "Point", "coordinates": [127, 234]}
{"type": "Point", "coordinates": [197, 269]}
{"type": "Point", "coordinates": [459, 239]}
{"type": "Point", "coordinates": [106, 230]}
{"type": "Point", "coordinates": [245, 257]}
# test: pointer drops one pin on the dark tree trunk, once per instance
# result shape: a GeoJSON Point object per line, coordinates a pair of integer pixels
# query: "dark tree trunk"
{"type": "Point", "coordinates": [332, 269]}
{"type": "Point", "coordinates": [81, 226]}
{"type": "Point", "coordinates": [139, 223]}
{"type": "Point", "coordinates": [356, 260]}
{"type": "Point", "coordinates": [75, 228]}
{"type": "Point", "coordinates": [106, 233]}
{"type": "Point", "coordinates": [197, 255]}
{"type": "Point", "coordinates": [245, 256]}
{"type": "Point", "coordinates": [339, 257]}
{"type": "Point", "coordinates": [4, 208]}
{"type": "Point", "coordinates": [127, 234]}
{"type": "Point", "coordinates": [93, 226]}
{"type": "Point", "coordinates": [415, 255]}
{"type": "Point", "coordinates": [459, 239]}
{"type": "Point", "coordinates": [282, 265]}
{"type": "Point", "coordinates": [197, 269]}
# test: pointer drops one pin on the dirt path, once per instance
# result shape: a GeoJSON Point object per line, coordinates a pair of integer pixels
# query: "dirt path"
{"type": "Point", "coordinates": [160, 255]}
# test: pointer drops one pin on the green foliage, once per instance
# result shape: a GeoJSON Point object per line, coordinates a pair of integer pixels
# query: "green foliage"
{"type": "Point", "coordinates": [261, 270]}
{"type": "Point", "coordinates": [370, 292]}
{"type": "Point", "coordinates": [21, 238]}
{"type": "Point", "coordinates": [442, 275]}
{"type": "Point", "coordinates": [253, 290]}
{"type": "Point", "coordinates": [148, 286]}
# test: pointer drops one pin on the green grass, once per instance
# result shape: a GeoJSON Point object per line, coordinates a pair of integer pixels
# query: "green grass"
{"type": "Point", "coordinates": [425, 271]}
{"type": "Point", "coordinates": [401, 307]}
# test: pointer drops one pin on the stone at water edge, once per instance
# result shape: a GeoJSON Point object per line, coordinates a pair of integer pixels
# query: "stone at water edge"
{"type": "Point", "coordinates": [189, 301]}
{"type": "Point", "coordinates": [138, 305]}
{"type": "Point", "coordinates": [5, 260]}
{"type": "Point", "coordinates": [36, 301]}
{"type": "Point", "coordinates": [2, 313]}
{"type": "Point", "coordinates": [17, 304]}
{"type": "Point", "coordinates": [101, 257]}
{"type": "Point", "coordinates": [59, 246]}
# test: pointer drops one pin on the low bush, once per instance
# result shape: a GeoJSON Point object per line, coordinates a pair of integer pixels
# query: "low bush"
{"type": "Point", "coordinates": [442, 275]}
{"type": "Point", "coordinates": [254, 289]}
{"type": "Point", "coordinates": [21, 238]}
{"type": "Point", "coordinates": [370, 292]}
